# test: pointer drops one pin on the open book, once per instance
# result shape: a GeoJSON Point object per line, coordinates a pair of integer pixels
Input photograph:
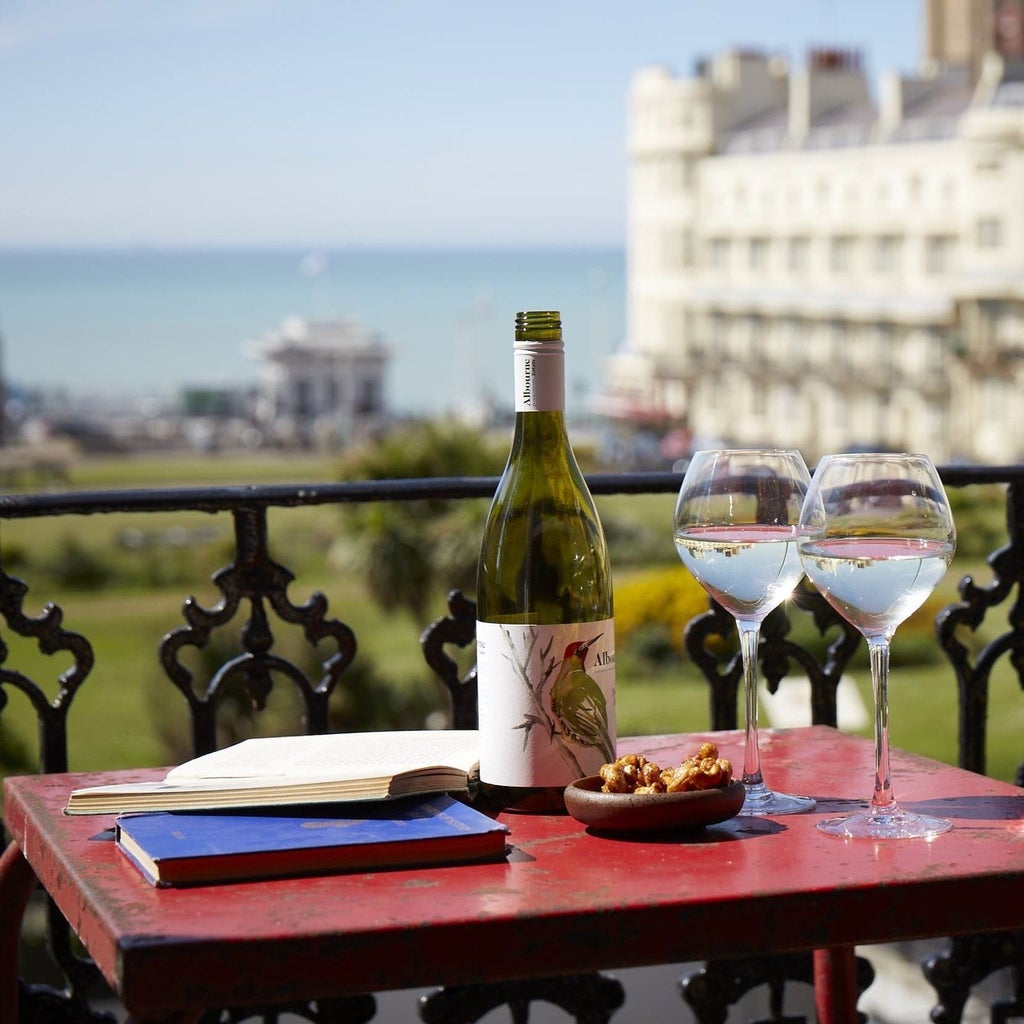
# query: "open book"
{"type": "Point", "coordinates": [283, 770]}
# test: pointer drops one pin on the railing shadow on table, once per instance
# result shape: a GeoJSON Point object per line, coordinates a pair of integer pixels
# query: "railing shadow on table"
{"type": "Point", "coordinates": [253, 588]}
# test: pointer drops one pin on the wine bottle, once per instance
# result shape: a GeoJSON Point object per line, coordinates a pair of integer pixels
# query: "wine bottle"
{"type": "Point", "coordinates": [545, 628]}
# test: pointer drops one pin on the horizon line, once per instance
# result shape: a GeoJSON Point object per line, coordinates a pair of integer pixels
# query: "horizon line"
{"type": "Point", "coordinates": [122, 248]}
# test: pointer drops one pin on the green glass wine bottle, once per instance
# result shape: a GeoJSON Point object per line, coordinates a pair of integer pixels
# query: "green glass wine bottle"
{"type": "Point", "coordinates": [545, 627]}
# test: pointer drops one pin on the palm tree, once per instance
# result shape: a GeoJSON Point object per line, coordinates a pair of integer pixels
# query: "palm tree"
{"type": "Point", "coordinates": [411, 553]}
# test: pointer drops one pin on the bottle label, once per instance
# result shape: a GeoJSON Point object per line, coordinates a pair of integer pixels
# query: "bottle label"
{"type": "Point", "coordinates": [546, 701]}
{"type": "Point", "coordinates": [540, 379]}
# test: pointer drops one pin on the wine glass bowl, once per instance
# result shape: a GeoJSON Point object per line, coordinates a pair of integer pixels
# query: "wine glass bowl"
{"type": "Point", "coordinates": [876, 536]}
{"type": "Point", "coordinates": [735, 528]}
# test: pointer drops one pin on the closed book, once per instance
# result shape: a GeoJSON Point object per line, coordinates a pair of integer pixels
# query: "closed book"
{"type": "Point", "coordinates": [276, 771]}
{"type": "Point", "coordinates": [194, 848]}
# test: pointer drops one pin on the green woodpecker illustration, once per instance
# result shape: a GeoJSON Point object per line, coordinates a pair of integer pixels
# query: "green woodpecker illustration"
{"type": "Point", "coordinates": [578, 703]}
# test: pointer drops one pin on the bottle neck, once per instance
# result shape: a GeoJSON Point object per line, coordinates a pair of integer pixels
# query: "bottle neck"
{"type": "Point", "coordinates": [539, 401]}
{"type": "Point", "coordinates": [540, 435]}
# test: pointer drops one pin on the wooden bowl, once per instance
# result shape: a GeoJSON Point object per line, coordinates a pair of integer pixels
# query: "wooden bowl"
{"type": "Point", "coordinates": [651, 812]}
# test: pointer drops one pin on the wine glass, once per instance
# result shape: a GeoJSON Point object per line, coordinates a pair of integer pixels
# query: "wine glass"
{"type": "Point", "coordinates": [876, 536]}
{"type": "Point", "coordinates": [735, 528]}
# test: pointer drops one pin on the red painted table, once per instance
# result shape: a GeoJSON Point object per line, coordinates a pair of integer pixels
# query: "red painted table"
{"type": "Point", "coordinates": [565, 901]}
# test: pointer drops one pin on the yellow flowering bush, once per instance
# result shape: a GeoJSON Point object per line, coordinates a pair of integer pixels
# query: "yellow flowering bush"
{"type": "Point", "coordinates": [668, 597]}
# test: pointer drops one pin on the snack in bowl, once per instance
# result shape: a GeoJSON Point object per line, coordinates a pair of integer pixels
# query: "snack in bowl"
{"type": "Point", "coordinates": [634, 773]}
{"type": "Point", "coordinates": [634, 794]}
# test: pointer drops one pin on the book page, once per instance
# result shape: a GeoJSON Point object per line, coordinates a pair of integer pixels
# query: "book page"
{"type": "Point", "coordinates": [335, 756]}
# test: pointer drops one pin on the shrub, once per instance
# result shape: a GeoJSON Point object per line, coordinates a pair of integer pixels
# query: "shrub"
{"type": "Point", "coordinates": [408, 552]}
{"type": "Point", "coordinates": [14, 753]}
{"type": "Point", "coordinates": [980, 516]}
{"type": "Point", "coordinates": [76, 566]}
{"type": "Point", "coordinates": [669, 598]}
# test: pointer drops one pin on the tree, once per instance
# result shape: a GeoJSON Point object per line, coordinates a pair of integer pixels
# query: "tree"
{"type": "Point", "coordinates": [412, 552]}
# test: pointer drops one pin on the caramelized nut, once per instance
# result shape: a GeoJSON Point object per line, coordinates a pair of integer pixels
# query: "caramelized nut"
{"type": "Point", "coordinates": [634, 773]}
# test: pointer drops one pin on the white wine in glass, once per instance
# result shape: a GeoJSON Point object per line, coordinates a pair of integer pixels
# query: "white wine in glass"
{"type": "Point", "coordinates": [735, 528]}
{"type": "Point", "coordinates": [876, 536]}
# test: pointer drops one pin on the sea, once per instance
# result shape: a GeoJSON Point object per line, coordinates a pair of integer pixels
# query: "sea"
{"type": "Point", "coordinates": [145, 323]}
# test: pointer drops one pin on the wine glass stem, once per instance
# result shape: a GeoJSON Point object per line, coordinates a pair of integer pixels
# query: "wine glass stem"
{"type": "Point", "coordinates": [750, 637]}
{"type": "Point", "coordinates": [882, 800]}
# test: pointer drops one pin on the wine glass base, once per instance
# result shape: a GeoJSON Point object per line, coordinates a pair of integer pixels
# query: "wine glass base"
{"type": "Point", "coordinates": [762, 800]}
{"type": "Point", "coordinates": [897, 824]}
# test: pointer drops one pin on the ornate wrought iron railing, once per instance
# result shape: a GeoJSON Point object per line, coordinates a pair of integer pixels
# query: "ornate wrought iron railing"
{"type": "Point", "coordinates": [254, 587]}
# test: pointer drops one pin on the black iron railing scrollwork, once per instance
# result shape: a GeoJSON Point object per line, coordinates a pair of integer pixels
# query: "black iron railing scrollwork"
{"type": "Point", "coordinates": [47, 630]}
{"type": "Point", "coordinates": [973, 675]}
{"type": "Point", "coordinates": [970, 959]}
{"type": "Point", "coordinates": [256, 578]}
{"type": "Point", "coordinates": [777, 655]}
{"type": "Point", "coordinates": [253, 591]}
{"type": "Point", "coordinates": [719, 984]}
{"type": "Point", "coordinates": [458, 627]}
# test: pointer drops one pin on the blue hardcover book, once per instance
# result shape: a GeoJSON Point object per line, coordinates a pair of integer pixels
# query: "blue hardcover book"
{"type": "Point", "coordinates": [195, 848]}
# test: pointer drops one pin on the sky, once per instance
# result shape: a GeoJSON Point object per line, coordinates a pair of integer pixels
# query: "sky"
{"type": "Point", "coordinates": [178, 123]}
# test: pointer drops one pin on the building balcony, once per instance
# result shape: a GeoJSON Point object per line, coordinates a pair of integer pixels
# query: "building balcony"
{"type": "Point", "coordinates": [252, 599]}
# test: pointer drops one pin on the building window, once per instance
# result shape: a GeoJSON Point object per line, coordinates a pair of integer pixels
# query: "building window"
{"type": "Point", "coordinates": [993, 316]}
{"type": "Point", "coordinates": [793, 340]}
{"type": "Point", "coordinates": [888, 251]}
{"type": "Point", "coordinates": [797, 253]}
{"type": "Point", "coordinates": [717, 332]}
{"type": "Point", "coordinates": [935, 347]}
{"type": "Point", "coordinates": [989, 233]}
{"type": "Point", "coordinates": [303, 398]}
{"type": "Point", "coordinates": [885, 338]}
{"type": "Point", "coordinates": [687, 248]}
{"type": "Point", "coordinates": [686, 173]}
{"type": "Point", "coordinates": [841, 254]}
{"type": "Point", "coordinates": [837, 342]}
{"type": "Point", "coordinates": [756, 336]}
{"type": "Point", "coordinates": [368, 398]}
{"type": "Point", "coordinates": [739, 339]}
{"type": "Point", "coordinates": [718, 253]}
{"type": "Point", "coordinates": [758, 253]}
{"type": "Point", "coordinates": [938, 251]}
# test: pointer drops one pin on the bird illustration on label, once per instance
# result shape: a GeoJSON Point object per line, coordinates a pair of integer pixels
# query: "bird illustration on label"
{"type": "Point", "coordinates": [560, 699]}
{"type": "Point", "coordinates": [577, 702]}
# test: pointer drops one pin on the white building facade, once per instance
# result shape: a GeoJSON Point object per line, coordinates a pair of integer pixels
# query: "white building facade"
{"type": "Point", "coordinates": [815, 266]}
{"type": "Point", "coordinates": [321, 381]}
